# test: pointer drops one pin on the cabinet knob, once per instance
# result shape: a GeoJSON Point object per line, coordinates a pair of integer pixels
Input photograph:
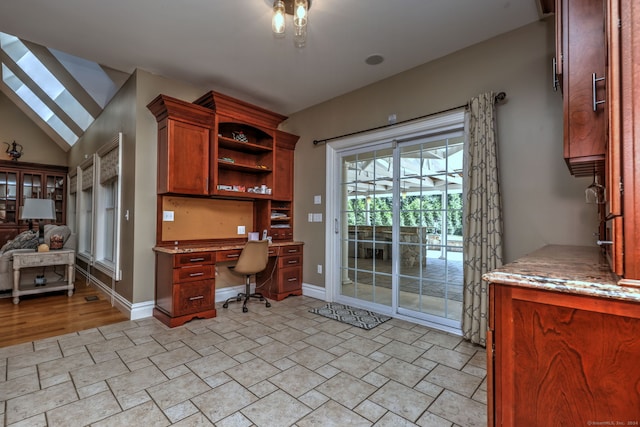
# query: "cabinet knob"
{"type": "Point", "coordinates": [604, 242]}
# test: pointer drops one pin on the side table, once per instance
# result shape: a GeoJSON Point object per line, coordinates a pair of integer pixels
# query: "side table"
{"type": "Point", "coordinates": [42, 259]}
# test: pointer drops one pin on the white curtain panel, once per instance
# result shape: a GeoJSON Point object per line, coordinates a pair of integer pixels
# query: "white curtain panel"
{"type": "Point", "coordinates": [482, 214]}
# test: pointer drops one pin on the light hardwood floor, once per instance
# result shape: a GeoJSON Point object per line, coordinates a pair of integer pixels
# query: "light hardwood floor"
{"type": "Point", "coordinates": [47, 315]}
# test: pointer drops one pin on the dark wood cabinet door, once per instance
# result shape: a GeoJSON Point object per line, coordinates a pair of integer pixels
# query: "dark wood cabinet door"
{"type": "Point", "coordinates": [563, 359]}
{"type": "Point", "coordinates": [583, 74]}
{"type": "Point", "coordinates": [187, 148]}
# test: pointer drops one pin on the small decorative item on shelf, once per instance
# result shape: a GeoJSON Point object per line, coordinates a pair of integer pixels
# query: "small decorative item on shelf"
{"type": "Point", "coordinates": [226, 159]}
{"type": "Point", "coordinates": [239, 136]}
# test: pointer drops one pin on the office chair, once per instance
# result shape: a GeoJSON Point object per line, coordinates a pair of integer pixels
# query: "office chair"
{"type": "Point", "coordinates": [253, 259]}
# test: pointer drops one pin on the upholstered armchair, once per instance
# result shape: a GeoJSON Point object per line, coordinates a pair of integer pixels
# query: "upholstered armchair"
{"type": "Point", "coordinates": [27, 241]}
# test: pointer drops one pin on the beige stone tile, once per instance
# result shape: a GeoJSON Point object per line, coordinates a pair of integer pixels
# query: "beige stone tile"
{"type": "Point", "coordinates": [21, 372]}
{"type": "Point", "coordinates": [447, 357]}
{"type": "Point", "coordinates": [273, 351]}
{"type": "Point", "coordinates": [375, 379]}
{"type": "Point", "coordinates": [54, 380]}
{"type": "Point", "coordinates": [402, 372]}
{"type": "Point", "coordinates": [402, 351]}
{"type": "Point", "coordinates": [430, 420]}
{"type": "Point", "coordinates": [19, 386]}
{"type": "Point", "coordinates": [28, 405]}
{"type": "Point", "coordinates": [237, 345]}
{"type": "Point", "coordinates": [371, 411]}
{"type": "Point", "coordinates": [302, 324]}
{"type": "Point", "coordinates": [172, 335]}
{"type": "Point", "coordinates": [144, 333]}
{"type": "Point", "coordinates": [459, 409]}
{"type": "Point", "coordinates": [135, 381]}
{"type": "Point", "coordinates": [297, 380]}
{"type": "Point", "coordinates": [442, 339]}
{"type": "Point", "coordinates": [196, 420]}
{"type": "Point", "coordinates": [392, 420]}
{"type": "Point", "coordinates": [235, 420]}
{"type": "Point", "coordinates": [454, 380]}
{"type": "Point", "coordinates": [332, 414]}
{"type": "Point", "coordinates": [170, 393]}
{"type": "Point", "coordinates": [15, 350]}
{"type": "Point", "coordinates": [63, 365]}
{"type": "Point", "coordinates": [128, 401]}
{"type": "Point", "coordinates": [33, 358]}
{"type": "Point", "coordinates": [100, 351]}
{"type": "Point", "coordinates": [403, 335]}
{"type": "Point", "coordinates": [82, 339]}
{"type": "Point", "coordinates": [173, 358]}
{"type": "Point", "coordinates": [39, 420]}
{"type": "Point", "coordinates": [140, 351]}
{"type": "Point", "coordinates": [312, 357]}
{"type": "Point", "coordinates": [177, 371]}
{"type": "Point", "coordinates": [313, 399]}
{"type": "Point", "coordinates": [180, 411]}
{"type": "Point", "coordinates": [354, 364]}
{"type": "Point", "coordinates": [90, 390]}
{"type": "Point", "coordinates": [410, 406]}
{"type": "Point", "coordinates": [146, 414]}
{"type": "Point", "coordinates": [252, 372]}
{"type": "Point", "coordinates": [84, 412]}
{"type": "Point", "coordinates": [360, 345]}
{"type": "Point", "coordinates": [333, 327]}
{"type": "Point", "coordinates": [276, 409]}
{"type": "Point", "coordinates": [346, 390]}
{"type": "Point", "coordinates": [224, 400]}
{"type": "Point", "coordinates": [263, 388]}
{"type": "Point", "coordinates": [256, 331]}
{"type": "Point", "coordinates": [428, 388]}
{"type": "Point", "coordinates": [323, 340]}
{"type": "Point", "coordinates": [211, 365]}
{"type": "Point", "coordinates": [202, 341]}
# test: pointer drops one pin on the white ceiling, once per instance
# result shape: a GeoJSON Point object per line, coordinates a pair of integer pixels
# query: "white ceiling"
{"type": "Point", "coordinates": [227, 46]}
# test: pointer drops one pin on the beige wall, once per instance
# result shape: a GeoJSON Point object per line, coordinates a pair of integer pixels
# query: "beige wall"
{"type": "Point", "coordinates": [37, 146]}
{"type": "Point", "coordinates": [542, 202]}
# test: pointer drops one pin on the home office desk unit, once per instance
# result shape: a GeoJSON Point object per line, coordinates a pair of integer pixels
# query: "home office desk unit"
{"type": "Point", "coordinates": [185, 278]}
{"type": "Point", "coordinates": [42, 259]}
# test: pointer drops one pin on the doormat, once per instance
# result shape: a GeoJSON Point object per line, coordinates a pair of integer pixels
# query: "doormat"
{"type": "Point", "coordinates": [353, 316]}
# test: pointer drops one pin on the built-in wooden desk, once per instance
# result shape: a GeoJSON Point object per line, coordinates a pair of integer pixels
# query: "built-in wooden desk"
{"type": "Point", "coordinates": [185, 278]}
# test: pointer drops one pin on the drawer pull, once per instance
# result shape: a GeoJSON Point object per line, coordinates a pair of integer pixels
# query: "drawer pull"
{"type": "Point", "coordinates": [292, 251]}
{"type": "Point", "coordinates": [196, 259]}
{"type": "Point", "coordinates": [293, 261]}
{"type": "Point", "coordinates": [293, 279]}
{"type": "Point", "coordinates": [196, 274]}
{"type": "Point", "coordinates": [233, 255]}
{"type": "Point", "coordinates": [594, 80]}
{"type": "Point", "coordinates": [196, 298]}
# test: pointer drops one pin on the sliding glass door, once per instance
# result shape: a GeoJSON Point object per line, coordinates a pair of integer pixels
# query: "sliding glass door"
{"type": "Point", "coordinates": [399, 227]}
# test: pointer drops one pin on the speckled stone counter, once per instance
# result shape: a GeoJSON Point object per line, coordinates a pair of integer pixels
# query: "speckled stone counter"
{"type": "Point", "coordinates": [580, 270]}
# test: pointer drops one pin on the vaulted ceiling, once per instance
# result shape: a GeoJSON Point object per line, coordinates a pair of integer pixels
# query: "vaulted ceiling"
{"type": "Point", "coordinates": [227, 45]}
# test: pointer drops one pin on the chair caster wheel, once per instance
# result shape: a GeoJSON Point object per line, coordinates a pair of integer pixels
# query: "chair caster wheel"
{"type": "Point", "coordinates": [245, 309]}
{"type": "Point", "coordinates": [225, 305]}
{"type": "Point", "coordinates": [268, 304]}
{"type": "Point", "coordinates": [239, 299]}
{"type": "Point", "coordinates": [261, 299]}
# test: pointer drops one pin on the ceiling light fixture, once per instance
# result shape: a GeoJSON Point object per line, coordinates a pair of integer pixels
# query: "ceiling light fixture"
{"type": "Point", "coordinates": [299, 10]}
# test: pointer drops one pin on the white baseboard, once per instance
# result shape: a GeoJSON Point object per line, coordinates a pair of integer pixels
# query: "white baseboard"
{"type": "Point", "coordinates": [314, 291]}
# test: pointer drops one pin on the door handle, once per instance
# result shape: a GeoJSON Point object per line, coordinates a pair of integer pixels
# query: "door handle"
{"type": "Point", "coordinates": [595, 80]}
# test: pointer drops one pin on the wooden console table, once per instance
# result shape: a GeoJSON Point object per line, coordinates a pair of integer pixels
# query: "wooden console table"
{"type": "Point", "coordinates": [42, 259]}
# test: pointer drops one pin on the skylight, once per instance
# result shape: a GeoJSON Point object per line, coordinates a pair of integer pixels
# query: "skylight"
{"type": "Point", "coordinates": [67, 93]}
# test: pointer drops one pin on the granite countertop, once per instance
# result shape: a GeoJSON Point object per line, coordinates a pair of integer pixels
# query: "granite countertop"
{"type": "Point", "coordinates": [571, 269]}
{"type": "Point", "coordinates": [211, 248]}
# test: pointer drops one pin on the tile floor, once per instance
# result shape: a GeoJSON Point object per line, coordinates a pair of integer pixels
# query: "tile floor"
{"type": "Point", "coordinates": [281, 366]}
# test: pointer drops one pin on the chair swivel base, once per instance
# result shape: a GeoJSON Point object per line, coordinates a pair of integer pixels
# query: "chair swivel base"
{"type": "Point", "coordinates": [247, 295]}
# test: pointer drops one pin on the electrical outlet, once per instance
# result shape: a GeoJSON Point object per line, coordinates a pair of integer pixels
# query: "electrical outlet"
{"type": "Point", "coordinates": [241, 229]}
{"type": "Point", "coordinates": [317, 200]}
{"type": "Point", "coordinates": [319, 268]}
{"type": "Point", "coordinates": [166, 215]}
{"type": "Point", "coordinates": [310, 217]}
{"type": "Point", "coordinates": [317, 217]}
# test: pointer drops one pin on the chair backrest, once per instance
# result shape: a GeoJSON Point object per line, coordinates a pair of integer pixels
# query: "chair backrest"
{"type": "Point", "coordinates": [253, 258]}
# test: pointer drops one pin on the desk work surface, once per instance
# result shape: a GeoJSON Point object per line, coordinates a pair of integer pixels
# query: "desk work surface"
{"type": "Point", "coordinates": [213, 248]}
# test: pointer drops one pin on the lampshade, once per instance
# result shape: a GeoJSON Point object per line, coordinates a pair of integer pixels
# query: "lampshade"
{"type": "Point", "coordinates": [38, 209]}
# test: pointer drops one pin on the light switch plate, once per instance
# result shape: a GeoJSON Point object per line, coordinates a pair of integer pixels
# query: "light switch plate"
{"type": "Point", "coordinates": [317, 200]}
{"type": "Point", "coordinates": [241, 229]}
{"type": "Point", "coordinates": [166, 215]}
{"type": "Point", "coordinates": [317, 217]}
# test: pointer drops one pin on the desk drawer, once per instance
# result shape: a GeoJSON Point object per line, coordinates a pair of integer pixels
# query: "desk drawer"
{"type": "Point", "coordinates": [180, 260]}
{"type": "Point", "coordinates": [289, 279]}
{"type": "Point", "coordinates": [290, 250]}
{"type": "Point", "coordinates": [191, 273]}
{"type": "Point", "coordinates": [193, 297]}
{"type": "Point", "coordinates": [230, 255]}
{"type": "Point", "coordinates": [289, 261]}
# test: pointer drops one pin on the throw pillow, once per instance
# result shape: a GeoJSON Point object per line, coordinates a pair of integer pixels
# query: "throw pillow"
{"type": "Point", "coordinates": [25, 240]}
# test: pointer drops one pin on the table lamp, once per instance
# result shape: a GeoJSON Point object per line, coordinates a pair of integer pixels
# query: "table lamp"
{"type": "Point", "coordinates": [39, 209]}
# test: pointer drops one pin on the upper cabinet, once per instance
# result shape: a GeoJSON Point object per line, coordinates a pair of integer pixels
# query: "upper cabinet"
{"type": "Point", "coordinates": [580, 67]}
{"type": "Point", "coordinates": [184, 144]}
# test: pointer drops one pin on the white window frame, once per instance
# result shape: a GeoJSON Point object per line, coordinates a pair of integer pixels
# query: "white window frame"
{"type": "Point", "coordinates": [107, 196]}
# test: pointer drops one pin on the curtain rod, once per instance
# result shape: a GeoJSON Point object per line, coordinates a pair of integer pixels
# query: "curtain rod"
{"type": "Point", "coordinates": [500, 97]}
